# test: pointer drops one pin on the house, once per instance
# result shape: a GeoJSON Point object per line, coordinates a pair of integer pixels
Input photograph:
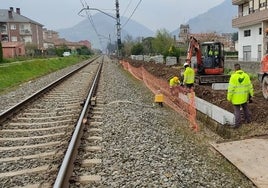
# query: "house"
{"type": "Point", "coordinates": [15, 27]}
{"type": "Point", "coordinates": [225, 38]}
{"type": "Point", "coordinates": [63, 42]}
{"type": "Point", "coordinates": [85, 43]}
{"type": "Point", "coordinates": [49, 37]}
{"type": "Point", "coordinates": [52, 39]}
{"type": "Point", "coordinates": [13, 49]}
{"type": "Point", "coordinates": [252, 24]}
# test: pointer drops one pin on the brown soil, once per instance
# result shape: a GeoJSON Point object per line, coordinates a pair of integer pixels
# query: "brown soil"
{"type": "Point", "coordinates": [259, 107]}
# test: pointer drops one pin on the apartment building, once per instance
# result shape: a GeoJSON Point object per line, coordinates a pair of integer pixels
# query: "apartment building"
{"type": "Point", "coordinates": [252, 24]}
{"type": "Point", "coordinates": [52, 39]}
{"type": "Point", "coordinates": [49, 37]}
{"type": "Point", "coordinates": [15, 27]}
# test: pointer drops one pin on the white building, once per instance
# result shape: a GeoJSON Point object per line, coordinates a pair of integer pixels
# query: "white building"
{"type": "Point", "coordinates": [252, 24]}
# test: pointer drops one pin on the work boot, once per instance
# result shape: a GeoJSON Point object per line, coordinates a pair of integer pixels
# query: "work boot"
{"type": "Point", "coordinates": [235, 126]}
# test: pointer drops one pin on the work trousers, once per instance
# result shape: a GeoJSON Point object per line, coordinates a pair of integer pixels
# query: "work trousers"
{"type": "Point", "coordinates": [189, 86]}
{"type": "Point", "coordinates": [237, 113]}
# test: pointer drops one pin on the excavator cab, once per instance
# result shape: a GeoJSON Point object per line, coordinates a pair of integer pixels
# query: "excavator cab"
{"type": "Point", "coordinates": [212, 58]}
{"type": "Point", "coordinates": [209, 66]}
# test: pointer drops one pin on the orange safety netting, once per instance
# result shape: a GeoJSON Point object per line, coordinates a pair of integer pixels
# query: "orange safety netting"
{"type": "Point", "coordinates": [185, 104]}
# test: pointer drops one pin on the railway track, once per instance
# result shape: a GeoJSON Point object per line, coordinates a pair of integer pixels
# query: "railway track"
{"type": "Point", "coordinates": [35, 136]}
{"type": "Point", "coordinates": [89, 161]}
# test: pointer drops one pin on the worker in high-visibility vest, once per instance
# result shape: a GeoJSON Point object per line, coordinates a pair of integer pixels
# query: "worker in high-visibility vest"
{"type": "Point", "coordinates": [188, 76]}
{"type": "Point", "coordinates": [240, 92]}
{"type": "Point", "coordinates": [210, 52]}
{"type": "Point", "coordinates": [173, 82]}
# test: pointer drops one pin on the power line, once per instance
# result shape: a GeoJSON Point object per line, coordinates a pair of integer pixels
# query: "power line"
{"type": "Point", "coordinates": [132, 13]}
{"type": "Point", "coordinates": [127, 7]}
{"type": "Point", "coordinates": [117, 18]}
{"type": "Point", "coordinates": [89, 16]}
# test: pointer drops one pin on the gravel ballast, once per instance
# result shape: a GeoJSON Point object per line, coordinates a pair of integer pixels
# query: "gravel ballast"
{"type": "Point", "coordinates": [146, 145]}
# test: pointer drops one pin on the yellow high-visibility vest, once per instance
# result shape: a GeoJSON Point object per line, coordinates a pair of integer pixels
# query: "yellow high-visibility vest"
{"type": "Point", "coordinates": [239, 88]}
{"type": "Point", "coordinates": [188, 76]}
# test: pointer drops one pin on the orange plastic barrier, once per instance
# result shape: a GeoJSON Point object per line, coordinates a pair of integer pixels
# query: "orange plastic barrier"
{"type": "Point", "coordinates": [186, 107]}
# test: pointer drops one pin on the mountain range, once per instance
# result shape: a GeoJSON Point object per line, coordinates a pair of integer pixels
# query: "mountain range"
{"type": "Point", "coordinates": [217, 19]}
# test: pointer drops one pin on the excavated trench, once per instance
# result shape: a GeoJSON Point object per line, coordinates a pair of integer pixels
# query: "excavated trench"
{"type": "Point", "coordinates": [258, 108]}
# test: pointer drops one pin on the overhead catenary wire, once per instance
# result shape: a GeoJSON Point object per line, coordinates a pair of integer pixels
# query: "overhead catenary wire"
{"type": "Point", "coordinates": [89, 16]}
{"type": "Point", "coordinates": [132, 13]}
{"type": "Point", "coordinates": [87, 8]}
{"type": "Point", "coordinates": [127, 7]}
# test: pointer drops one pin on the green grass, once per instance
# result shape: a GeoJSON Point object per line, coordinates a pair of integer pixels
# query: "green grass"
{"type": "Point", "coordinates": [13, 74]}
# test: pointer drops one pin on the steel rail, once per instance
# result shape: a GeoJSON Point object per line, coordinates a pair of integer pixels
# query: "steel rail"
{"type": "Point", "coordinates": [67, 166]}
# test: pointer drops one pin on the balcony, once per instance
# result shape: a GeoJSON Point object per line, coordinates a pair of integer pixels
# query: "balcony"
{"type": "Point", "coordinates": [239, 2]}
{"type": "Point", "coordinates": [254, 18]}
{"type": "Point", "coordinates": [3, 31]}
{"type": "Point", "coordinates": [25, 32]}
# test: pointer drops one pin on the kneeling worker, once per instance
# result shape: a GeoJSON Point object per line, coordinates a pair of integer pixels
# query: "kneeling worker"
{"type": "Point", "coordinates": [188, 76]}
{"type": "Point", "coordinates": [173, 82]}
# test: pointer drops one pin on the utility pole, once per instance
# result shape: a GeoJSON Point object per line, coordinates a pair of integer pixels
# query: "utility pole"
{"type": "Point", "coordinates": [118, 26]}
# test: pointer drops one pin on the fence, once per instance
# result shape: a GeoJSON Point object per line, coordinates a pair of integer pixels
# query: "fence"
{"type": "Point", "coordinates": [182, 100]}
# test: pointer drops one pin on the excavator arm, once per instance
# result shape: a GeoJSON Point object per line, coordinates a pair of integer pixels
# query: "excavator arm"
{"type": "Point", "coordinates": [194, 47]}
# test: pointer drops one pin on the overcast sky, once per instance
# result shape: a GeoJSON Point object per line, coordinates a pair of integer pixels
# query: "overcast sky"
{"type": "Point", "coordinates": [155, 14]}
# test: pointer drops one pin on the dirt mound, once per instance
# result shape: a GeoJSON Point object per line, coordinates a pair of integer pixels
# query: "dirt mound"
{"type": "Point", "coordinates": [259, 107]}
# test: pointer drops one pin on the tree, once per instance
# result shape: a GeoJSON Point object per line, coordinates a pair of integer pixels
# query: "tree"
{"type": "Point", "coordinates": [162, 42]}
{"type": "Point", "coordinates": [84, 51]}
{"type": "Point", "coordinates": [235, 37]}
{"type": "Point", "coordinates": [147, 45]}
{"type": "Point", "coordinates": [1, 52]}
{"type": "Point", "coordinates": [137, 49]}
{"type": "Point", "coordinates": [30, 49]}
{"type": "Point", "coordinates": [173, 51]}
{"type": "Point", "coordinates": [63, 48]}
{"type": "Point", "coordinates": [127, 45]}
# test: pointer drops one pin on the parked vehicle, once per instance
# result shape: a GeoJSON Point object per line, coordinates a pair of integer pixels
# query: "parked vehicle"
{"type": "Point", "coordinates": [66, 54]}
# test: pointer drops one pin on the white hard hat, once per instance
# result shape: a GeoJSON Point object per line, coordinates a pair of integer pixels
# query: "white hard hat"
{"type": "Point", "coordinates": [185, 64]}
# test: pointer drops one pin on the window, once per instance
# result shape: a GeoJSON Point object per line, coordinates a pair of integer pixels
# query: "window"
{"type": "Point", "coordinates": [256, 5]}
{"type": "Point", "coordinates": [260, 31]}
{"type": "Point", "coordinates": [13, 27]}
{"type": "Point", "coordinates": [246, 33]}
{"type": "Point", "coordinates": [259, 53]}
{"type": "Point", "coordinates": [262, 4]}
{"type": "Point", "coordinates": [246, 53]}
{"type": "Point", "coordinates": [21, 26]}
{"type": "Point", "coordinates": [251, 10]}
{"type": "Point", "coordinates": [3, 28]}
{"type": "Point", "coordinates": [245, 9]}
{"type": "Point", "coordinates": [14, 39]}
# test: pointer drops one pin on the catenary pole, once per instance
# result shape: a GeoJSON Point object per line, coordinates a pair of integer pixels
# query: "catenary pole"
{"type": "Point", "coordinates": [118, 26]}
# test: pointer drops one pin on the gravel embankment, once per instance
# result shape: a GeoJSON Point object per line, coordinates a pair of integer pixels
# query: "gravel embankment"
{"type": "Point", "coordinates": [146, 145]}
{"type": "Point", "coordinates": [149, 146]}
